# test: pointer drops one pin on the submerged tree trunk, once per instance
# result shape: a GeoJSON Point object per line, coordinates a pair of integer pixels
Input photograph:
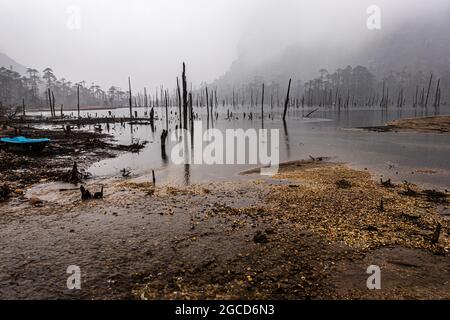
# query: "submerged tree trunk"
{"type": "Point", "coordinates": [78, 100]}
{"type": "Point", "coordinates": [287, 100]}
{"type": "Point", "coordinates": [428, 92]}
{"type": "Point", "coordinates": [262, 104]}
{"type": "Point", "coordinates": [179, 102]}
{"type": "Point", "coordinates": [131, 100]}
{"type": "Point", "coordinates": [185, 104]}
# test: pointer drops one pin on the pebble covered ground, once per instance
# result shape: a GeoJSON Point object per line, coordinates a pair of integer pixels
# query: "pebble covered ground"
{"type": "Point", "coordinates": [308, 233]}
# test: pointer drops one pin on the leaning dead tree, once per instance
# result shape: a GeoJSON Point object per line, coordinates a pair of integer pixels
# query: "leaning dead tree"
{"type": "Point", "coordinates": [428, 92]}
{"type": "Point", "coordinates": [286, 102]}
{"type": "Point", "coordinates": [437, 96]}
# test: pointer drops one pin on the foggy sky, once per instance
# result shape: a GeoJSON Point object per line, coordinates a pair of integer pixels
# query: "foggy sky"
{"type": "Point", "coordinates": [148, 39]}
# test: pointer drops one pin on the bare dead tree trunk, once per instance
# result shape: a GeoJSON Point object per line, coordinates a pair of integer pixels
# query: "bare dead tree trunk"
{"type": "Point", "coordinates": [428, 92]}
{"type": "Point", "coordinates": [185, 103]}
{"type": "Point", "coordinates": [49, 101]}
{"type": "Point", "coordinates": [436, 97]}
{"type": "Point", "coordinates": [286, 102]}
{"type": "Point", "coordinates": [53, 105]}
{"type": "Point", "coordinates": [145, 98]}
{"type": "Point", "coordinates": [78, 100]}
{"type": "Point", "coordinates": [131, 100]}
{"type": "Point", "coordinates": [415, 99]}
{"type": "Point", "coordinates": [191, 112]}
{"type": "Point", "coordinates": [207, 105]}
{"type": "Point", "coordinates": [179, 102]}
{"type": "Point", "coordinates": [382, 98]}
{"type": "Point", "coordinates": [167, 111]}
{"type": "Point", "coordinates": [262, 103]}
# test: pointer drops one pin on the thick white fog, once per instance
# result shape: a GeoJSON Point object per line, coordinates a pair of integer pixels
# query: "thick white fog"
{"type": "Point", "coordinates": [148, 39]}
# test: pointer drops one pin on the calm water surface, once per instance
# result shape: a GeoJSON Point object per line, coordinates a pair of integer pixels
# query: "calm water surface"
{"type": "Point", "coordinates": [327, 133]}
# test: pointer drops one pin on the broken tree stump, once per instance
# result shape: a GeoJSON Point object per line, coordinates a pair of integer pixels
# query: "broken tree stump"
{"type": "Point", "coordinates": [85, 193]}
{"type": "Point", "coordinates": [381, 208]}
{"type": "Point", "coordinates": [99, 195]}
{"type": "Point", "coordinates": [436, 234]}
{"type": "Point", "coordinates": [387, 183]}
{"type": "Point", "coordinates": [75, 176]}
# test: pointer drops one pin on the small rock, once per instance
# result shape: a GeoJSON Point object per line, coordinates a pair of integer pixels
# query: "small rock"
{"type": "Point", "coordinates": [4, 192]}
{"type": "Point", "coordinates": [343, 184]}
{"type": "Point", "coordinates": [35, 201]}
{"type": "Point", "coordinates": [371, 228]}
{"type": "Point", "coordinates": [260, 237]}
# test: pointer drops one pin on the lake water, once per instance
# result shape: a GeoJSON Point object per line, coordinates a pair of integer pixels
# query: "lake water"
{"type": "Point", "coordinates": [416, 157]}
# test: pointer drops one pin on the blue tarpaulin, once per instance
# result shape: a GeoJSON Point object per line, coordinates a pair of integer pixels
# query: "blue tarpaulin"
{"type": "Point", "coordinates": [23, 140]}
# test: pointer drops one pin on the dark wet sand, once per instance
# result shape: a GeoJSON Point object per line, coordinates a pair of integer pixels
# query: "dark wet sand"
{"type": "Point", "coordinates": [20, 170]}
{"type": "Point", "coordinates": [296, 236]}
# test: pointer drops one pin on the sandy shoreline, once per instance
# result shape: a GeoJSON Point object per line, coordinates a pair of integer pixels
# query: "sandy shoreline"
{"type": "Point", "coordinates": [309, 233]}
{"type": "Point", "coordinates": [435, 124]}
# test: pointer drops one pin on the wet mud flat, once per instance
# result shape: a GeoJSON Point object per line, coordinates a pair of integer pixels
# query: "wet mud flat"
{"type": "Point", "coordinates": [19, 170]}
{"type": "Point", "coordinates": [436, 124]}
{"type": "Point", "coordinates": [308, 233]}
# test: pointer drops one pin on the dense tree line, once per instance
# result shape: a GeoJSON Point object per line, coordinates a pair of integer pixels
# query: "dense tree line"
{"type": "Point", "coordinates": [348, 86]}
{"type": "Point", "coordinates": [33, 87]}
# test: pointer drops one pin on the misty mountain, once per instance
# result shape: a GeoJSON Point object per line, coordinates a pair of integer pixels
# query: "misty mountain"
{"type": "Point", "coordinates": [414, 46]}
{"type": "Point", "coordinates": [8, 62]}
